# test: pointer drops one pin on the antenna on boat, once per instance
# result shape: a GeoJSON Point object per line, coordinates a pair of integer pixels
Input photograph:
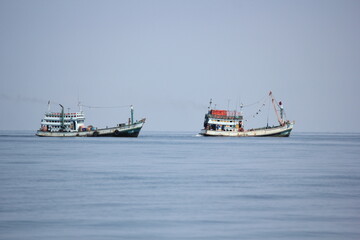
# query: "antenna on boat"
{"type": "Point", "coordinates": [132, 114]}
{"type": "Point", "coordinates": [210, 104]}
{"type": "Point", "coordinates": [80, 106]}
{"type": "Point", "coordinates": [79, 103]}
{"type": "Point", "coordinates": [49, 106]}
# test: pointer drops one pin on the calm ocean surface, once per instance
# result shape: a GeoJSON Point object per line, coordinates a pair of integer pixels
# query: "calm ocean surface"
{"type": "Point", "coordinates": [180, 186]}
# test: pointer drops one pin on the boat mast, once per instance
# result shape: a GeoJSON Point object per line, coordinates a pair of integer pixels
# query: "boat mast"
{"type": "Point", "coordinates": [62, 116]}
{"type": "Point", "coordinates": [281, 121]}
{"type": "Point", "coordinates": [132, 114]}
{"type": "Point", "coordinates": [80, 106]}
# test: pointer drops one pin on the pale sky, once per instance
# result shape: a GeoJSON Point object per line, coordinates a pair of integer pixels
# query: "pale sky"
{"type": "Point", "coordinates": [168, 58]}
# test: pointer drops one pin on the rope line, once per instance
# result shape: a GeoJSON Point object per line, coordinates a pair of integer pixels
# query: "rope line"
{"type": "Point", "coordinates": [87, 106]}
{"type": "Point", "coordinates": [252, 104]}
{"type": "Point", "coordinates": [263, 104]}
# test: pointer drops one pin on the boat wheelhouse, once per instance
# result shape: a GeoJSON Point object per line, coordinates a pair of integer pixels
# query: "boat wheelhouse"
{"type": "Point", "coordinates": [222, 120]}
{"type": "Point", "coordinates": [63, 122]}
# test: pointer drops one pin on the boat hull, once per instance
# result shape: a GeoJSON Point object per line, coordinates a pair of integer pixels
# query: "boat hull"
{"type": "Point", "coordinates": [132, 130]}
{"type": "Point", "coordinates": [278, 131]}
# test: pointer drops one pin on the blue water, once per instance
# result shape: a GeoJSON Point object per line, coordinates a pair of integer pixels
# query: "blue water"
{"type": "Point", "coordinates": [180, 186]}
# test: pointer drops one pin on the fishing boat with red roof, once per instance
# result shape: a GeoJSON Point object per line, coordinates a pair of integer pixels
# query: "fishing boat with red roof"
{"type": "Point", "coordinates": [231, 123]}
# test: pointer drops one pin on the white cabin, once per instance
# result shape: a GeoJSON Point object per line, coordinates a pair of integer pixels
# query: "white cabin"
{"type": "Point", "coordinates": [66, 122]}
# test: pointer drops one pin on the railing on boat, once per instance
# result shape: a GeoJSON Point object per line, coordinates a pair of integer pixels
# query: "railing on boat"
{"type": "Point", "coordinates": [225, 117]}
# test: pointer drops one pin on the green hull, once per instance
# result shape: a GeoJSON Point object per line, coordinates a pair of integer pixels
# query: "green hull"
{"type": "Point", "coordinates": [131, 130]}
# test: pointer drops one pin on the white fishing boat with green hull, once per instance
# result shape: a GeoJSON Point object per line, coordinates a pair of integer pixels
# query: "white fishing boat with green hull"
{"type": "Point", "coordinates": [60, 124]}
{"type": "Point", "coordinates": [223, 123]}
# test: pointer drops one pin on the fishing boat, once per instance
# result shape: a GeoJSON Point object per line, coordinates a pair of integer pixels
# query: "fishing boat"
{"type": "Point", "coordinates": [61, 124]}
{"type": "Point", "coordinates": [231, 123]}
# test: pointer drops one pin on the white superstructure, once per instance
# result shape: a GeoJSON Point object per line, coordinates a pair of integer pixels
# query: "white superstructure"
{"type": "Point", "coordinates": [65, 122]}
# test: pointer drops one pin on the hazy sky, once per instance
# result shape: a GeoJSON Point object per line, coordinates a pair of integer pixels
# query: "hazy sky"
{"type": "Point", "coordinates": [168, 58]}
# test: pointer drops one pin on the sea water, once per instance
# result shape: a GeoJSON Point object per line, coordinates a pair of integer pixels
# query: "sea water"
{"type": "Point", "coordinates": [173, 185]}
